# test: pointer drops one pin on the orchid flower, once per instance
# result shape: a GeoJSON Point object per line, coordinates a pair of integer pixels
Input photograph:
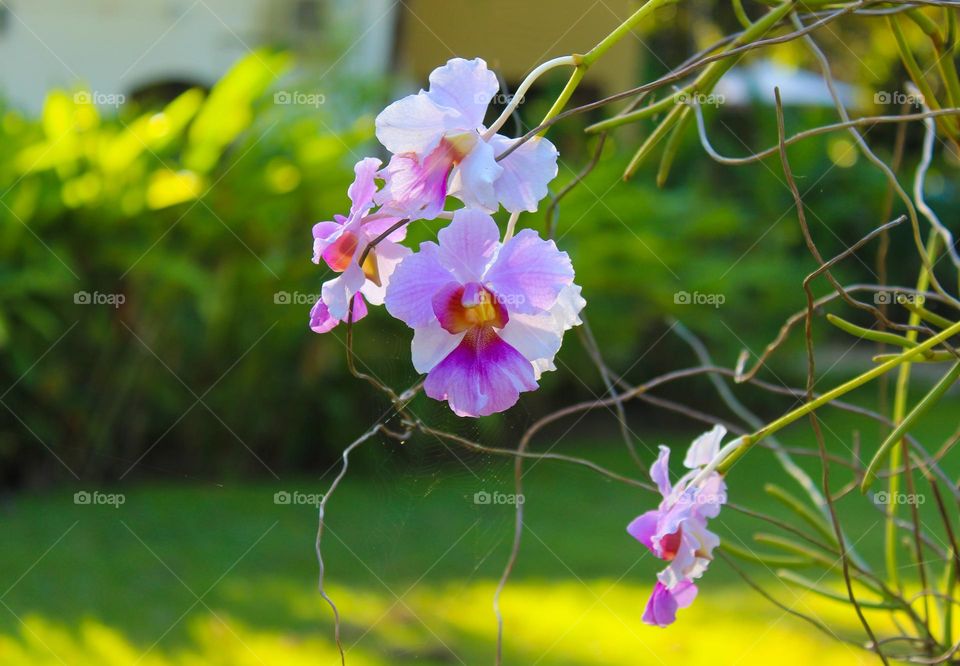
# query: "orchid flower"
{"type": "Point", "coordinates": [440, 147]}
{"type": "Point", "coordinates": [341, 243]}
{"type": "Point", "coordinates": [676, 531]}
{"type": "Point", "coordinates": [488, 317]}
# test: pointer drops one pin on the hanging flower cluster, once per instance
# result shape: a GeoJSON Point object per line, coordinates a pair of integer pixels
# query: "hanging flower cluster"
{"type": "Point", "coordinates": [676, 531]}
{"type": "Point", "coordinates": [488, 315]}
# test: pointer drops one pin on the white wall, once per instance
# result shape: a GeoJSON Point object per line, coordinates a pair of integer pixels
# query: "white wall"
{"type": "Point", "coordinates": [116, 46]}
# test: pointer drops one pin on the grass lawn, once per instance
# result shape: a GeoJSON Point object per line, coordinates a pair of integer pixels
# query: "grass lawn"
{"type": "Point", "coordinates": [193, 574]}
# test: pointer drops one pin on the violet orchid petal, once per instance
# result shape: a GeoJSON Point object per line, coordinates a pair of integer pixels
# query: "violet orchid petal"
{"type": "Point", "coordinates": [529, 273]}
{"type": "Point", "coordinates": [483, 375]}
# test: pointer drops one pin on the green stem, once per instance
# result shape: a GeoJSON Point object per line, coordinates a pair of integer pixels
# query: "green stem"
{"type": "Point", "coordinates": [949, 584]}
{"type": "Point", "coordinates": [565, 94]}
{"type": "Point", "coordinates": [899, 411]}
{"type": "Point", "coordinates": [826, 592]}
{"type": "Point", "coordinates": [924, 314]}
{"type": "Point", "coordinates": [944, 62]}
{"type": "Point", "coordinates": [749, 441]}
{"type": "Point", "coordinates": [806, 514]}
{"type": "Point", "coordinates": [741, 13]}
{"type": "Point", "coordinates": [597, 51]}
{"type": "Point", "coordinates": [708, 77]}
{"type": "Point", "coordinates": [673, 145]}
{"type": "Point", "coordinates": [653, 139]}
{"type": "Point", "coordinates": [870, 334]}
{"type": "Point", "coordinates": [764, 558]}
{"type": "Point", "coordinates": [929, 357]}
{"type": "Point", "coordinates": [623, 30]}
{"type": "Point", "coordinates": [928, 401]}
{"type": "Point", "coordinates": [916, 74]}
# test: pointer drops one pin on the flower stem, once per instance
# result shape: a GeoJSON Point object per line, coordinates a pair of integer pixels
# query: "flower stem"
{"type": "Point", "coordinates": [903, 426]}
{"type": "Point", "coordinates": [748, 441]}
{"type": "Point", "coordinates": [583, 62]}
{"type": "Point", "coordinates": [522, 89]}
{"type": "Point", "coordinates": [899, 411]}
{"type": "Point", "coordinates": [706, 80]}
{"type": "Point", "coordinates": [511, 226]}
{"type": "Point", "coordinates": [623, 29]}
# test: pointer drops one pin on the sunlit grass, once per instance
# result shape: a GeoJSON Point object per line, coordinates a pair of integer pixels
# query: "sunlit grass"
{"type": "Point", "coordinates": [569, 623]}
{"type": "Point", "coordinates": [221, 575]}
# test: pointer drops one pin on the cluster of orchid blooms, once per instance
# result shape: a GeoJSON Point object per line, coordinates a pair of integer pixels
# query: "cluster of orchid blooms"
{"type": "Point", "coordinates": [488, 315]}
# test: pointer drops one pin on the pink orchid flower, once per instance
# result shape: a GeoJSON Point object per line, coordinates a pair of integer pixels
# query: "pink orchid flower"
{"type": "Point", "coordinates": [488, 317]}
{"type": "Point", "coordinates": [676, 531]}
{"type": "Point", "coordinates": [441, 147]}
{"type": "Point", "coordinates": [341, 243]}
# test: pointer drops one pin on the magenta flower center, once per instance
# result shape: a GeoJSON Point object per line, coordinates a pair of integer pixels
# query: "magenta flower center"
{"type": "Point", "coordinates": [339, 255]}
{"type": "Point", "coordinates": [448, 154]}
{"type": "Point", "coordinates": [463, 307]}
{"type": "Point", "coordinates": [670, 544]}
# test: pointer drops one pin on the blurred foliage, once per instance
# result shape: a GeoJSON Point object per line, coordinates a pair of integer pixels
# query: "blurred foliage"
{"type": "Point", "coordinates": [198, 214]}
{"type": "Point", "coordinates": [194, 216]}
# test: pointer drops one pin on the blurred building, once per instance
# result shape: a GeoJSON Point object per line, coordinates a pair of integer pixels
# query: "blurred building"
{"type": "Point", "coordinates": [754, 84]}
{"type": "Point", "coordinates": [514, 37]}
{"type": "Point", "coordinates": [122, 48]}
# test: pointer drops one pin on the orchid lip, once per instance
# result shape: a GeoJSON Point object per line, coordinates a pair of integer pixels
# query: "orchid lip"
{"type": "Point", "coordinates": [462, 307]}
{"type": "Point", "coordinates": [670, 544]}
{"type": "Point", "coordinates": [340, 252]}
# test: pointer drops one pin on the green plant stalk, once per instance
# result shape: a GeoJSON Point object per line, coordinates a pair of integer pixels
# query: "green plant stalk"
{"type": "Point", "coordinates": [794, 548]}
{"type": "Point", "coordinates": [925, 23]}
{"type": "Point", "coordinates": [916, 74]}
{"type": "Point", "coordinates": [925, 315]}
{"type": "Point", "coordinates": [765, 559]}
{"type": "Point", "coordinates": [708, 77]}
{"type": "Point", "coordinates": [951, 38]}
{"type": "Point", "coordinates": [800, 550]}
{"type": "Point", "coordinates": [869, 334]}
{"type": "Point", "coordinates": [604, 45]}
{"type": "Point", "coordinates": [899, 411]}
{"type": "Point", "coordinates": [929, 357]}
{"type": "Point", "coordinates": [948, 72]}
{"type": "Point", "coordinates": [949, 584]}
{"type": "Point", "coordinates": [624, 29]}
{"type": "Point", "coordinates": [751, 440]}
{"type": "Point", "coordinates": [921, 408]}
{"type": "Point", "coordinates": [741, 13]}
{"type": "Point", "coordinates": [806, 514]}
{"type": "Point", "coordinates": [575, 77]}
{"type": "Point", "coordinates": [826, 592]}
{"type": "Point", "coordinates": [673, 145]}
{"type": "Point", "coordinates": [652, 140]}
{"type": "Point", "coordinates": [817, 521]}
